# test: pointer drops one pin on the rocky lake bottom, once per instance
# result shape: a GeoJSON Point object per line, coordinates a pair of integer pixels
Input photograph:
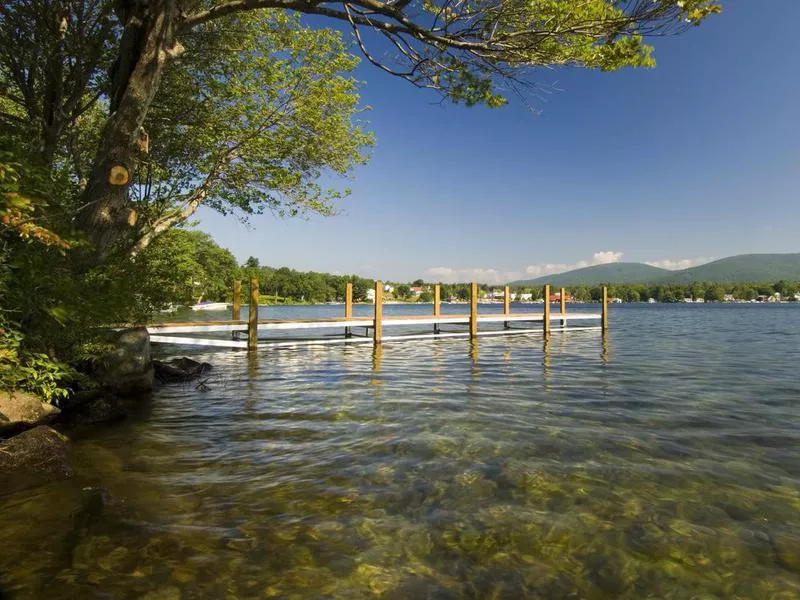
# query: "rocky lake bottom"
{"type": "Point", "coordinates": [663, 463]}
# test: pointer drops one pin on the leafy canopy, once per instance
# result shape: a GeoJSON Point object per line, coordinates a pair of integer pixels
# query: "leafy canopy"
{"type": "Point", "coordinates": [477, 51]}
{"type": "Point", "coordinates": [250, 118]}
{"type": "Point", "coordinates": [183, 267]}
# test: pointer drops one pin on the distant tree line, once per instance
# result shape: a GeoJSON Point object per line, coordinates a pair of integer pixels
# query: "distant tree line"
{"type": "Point", "coordinates": [674, 292]}
{"type": "Point", "coordinates": [630, 292]}
{"type": "Point", "coordinates": [289, 285]}
{"type": "Point", "coordinates": [185, 267]}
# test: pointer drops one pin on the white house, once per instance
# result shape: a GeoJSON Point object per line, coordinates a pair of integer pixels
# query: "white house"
{"type": "Point", "coordinates": [523, 297]}
{"type": "Point", "coordinates": [371, 294]}
{"type": "Point", "coordinates": [386, 288]}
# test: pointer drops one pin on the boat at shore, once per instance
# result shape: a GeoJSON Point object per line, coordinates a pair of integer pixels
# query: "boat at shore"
{"type": "Point", "coordinates": [210, 306]}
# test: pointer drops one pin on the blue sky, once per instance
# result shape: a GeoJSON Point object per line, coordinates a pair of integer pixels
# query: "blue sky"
{"type": "Point", "coordinates": [696, 159]}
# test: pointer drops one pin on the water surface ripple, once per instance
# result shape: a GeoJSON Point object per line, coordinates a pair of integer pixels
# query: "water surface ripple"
{"type": "Point", "coordinates": [664, 463]}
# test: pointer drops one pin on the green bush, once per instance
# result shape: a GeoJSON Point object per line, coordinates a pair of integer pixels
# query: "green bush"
{"type": "Point", "coordinates": [30, 371]}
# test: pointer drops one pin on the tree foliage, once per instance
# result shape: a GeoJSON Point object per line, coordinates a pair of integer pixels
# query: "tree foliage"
{"type": "Point", "coordinates": [308, 286]}
{"type": "Point", "coordinates": [255, 111]}
{"type": "Point", "coordinates": [248, 120]}
{"type": "Point", "coordinates": [676, 292]}
{"type": "Point", "coordinates": [22, 367]}
{"type": "Point", "coordinates": [184, 267]}
{"type": "Point", "coordinates": [20, 212]}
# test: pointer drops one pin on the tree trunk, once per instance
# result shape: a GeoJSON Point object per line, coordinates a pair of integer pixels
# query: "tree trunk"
{"type": "Point", "coordinates": [148, 41]}
{"type": "Point", "coordinates": [51, 119]}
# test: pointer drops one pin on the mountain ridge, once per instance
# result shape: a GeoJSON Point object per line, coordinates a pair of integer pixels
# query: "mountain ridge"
{"type": "Point", "coordinates": [741, 268]}
{"type": "Point", "coordinates": [620, 272]}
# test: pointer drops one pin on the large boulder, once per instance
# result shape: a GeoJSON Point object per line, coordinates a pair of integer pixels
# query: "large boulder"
{"type": "Point", "coordinates": [128, 370]}
{"type": "Point", "coordinates": [20, 411]}
{"type": "Point", "coordinates": [38, 451]}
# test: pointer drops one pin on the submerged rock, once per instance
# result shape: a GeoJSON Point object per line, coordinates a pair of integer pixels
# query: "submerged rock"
{"type": "Point", "coordinates": [95, 406]}
{"type": "Point", "coordinates": [165, 593]}
{"type": "Point", "coordinates": [128, 370]}
{"type": "Point", "coordinates": [41, 450]}
{"type": "Point", "coordinates": [179, 369]}
{"type": "Point", "coordinates": [786, 548]}
{"type": "Point", "coordinates": [79, 547]}
{"type": "Point", "coordinates": [20, 411]}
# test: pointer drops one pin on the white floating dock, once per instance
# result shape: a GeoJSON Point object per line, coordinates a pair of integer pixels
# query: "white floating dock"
{"type": "Point", "coordinates": [164, 333]}
{"type": "Point", "coordinates": [159, 333]}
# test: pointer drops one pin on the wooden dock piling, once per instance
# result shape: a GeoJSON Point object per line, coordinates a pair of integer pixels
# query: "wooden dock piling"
{"type": "Point", "coordinates": [473, 310]}
{"type": "Point", "coordinates": [546, 315]}
{"type": "Point", "coordinates": [236, 311]}
{"type": "Point", "coordinates": [348, 307]}
{"type": "Point", "coordinates": [506, 305]}
{"type": "Point", "coordinates": [437, 305]}
{"type": "Point", "coordinates": [604, 311]}
{"type": "Point", "coordinates": [348, 301]}
{"type": "Point", "coordinates": [377, 330]}
{"type": "Point", "coordinates": [252, 317]}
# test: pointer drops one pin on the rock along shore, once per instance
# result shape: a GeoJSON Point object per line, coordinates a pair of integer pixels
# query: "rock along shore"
{"type": "Point", "coordinates": [29, 444]}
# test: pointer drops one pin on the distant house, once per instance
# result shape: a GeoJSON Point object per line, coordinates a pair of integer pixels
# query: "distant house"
{"type": "Point", "coordinates": [371, 295]}
{"type": "Point", "coordinates": [557, 297]}
{"type": "Point", "coordinates": [728, 298]}
{"type": "Point", "coordinates": [497, 294]}
{"type": "Point", "coordinates": [387, 288]}
{"type": "Point", "coordinates": [615, 300]}
{"type": "Point", "coordinates": [523, 297]}
{"type": "Point", "coordinates": [687, 300]}
{"type": "Point", "coordinates": [651, 300]}
{"type": "Point", "coordinates": [797, 297]}
{"type": "Point", "coordinates": [417, 291]}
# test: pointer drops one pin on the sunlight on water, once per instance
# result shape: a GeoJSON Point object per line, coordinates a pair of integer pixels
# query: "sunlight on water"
{"type": "Point", "coordinates": [663, 463]}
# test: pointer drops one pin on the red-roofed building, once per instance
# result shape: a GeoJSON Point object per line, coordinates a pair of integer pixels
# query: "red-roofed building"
{"type": "Point", "coordinates": [557, 297]}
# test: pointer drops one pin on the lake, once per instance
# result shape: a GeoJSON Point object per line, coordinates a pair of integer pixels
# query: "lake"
{"type": "Point", "coordinates": [661, 463]}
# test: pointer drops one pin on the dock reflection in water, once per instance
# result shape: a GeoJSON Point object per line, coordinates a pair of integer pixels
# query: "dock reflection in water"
{"type": "Point", "coordinates": [663, 464]}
